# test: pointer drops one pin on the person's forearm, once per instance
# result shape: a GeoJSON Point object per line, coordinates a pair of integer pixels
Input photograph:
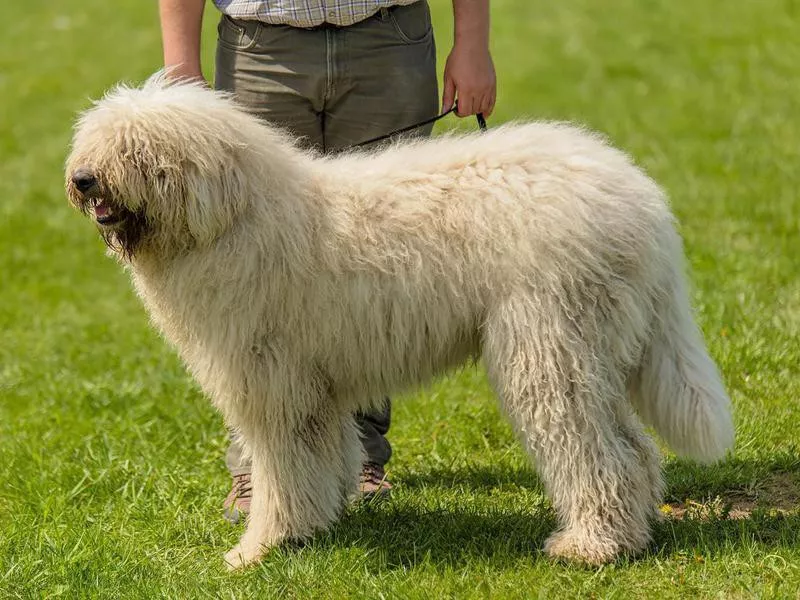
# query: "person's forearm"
{"type": "Point", "coordinates": [469, 71]}
{"type": "Point", "coordinates": [471, 22]}
{"type": "Point", "coordinates": [181, 24]}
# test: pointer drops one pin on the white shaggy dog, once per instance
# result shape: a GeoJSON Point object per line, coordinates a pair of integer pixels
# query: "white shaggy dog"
{"type": "Point", "coordinates": [298, 288]}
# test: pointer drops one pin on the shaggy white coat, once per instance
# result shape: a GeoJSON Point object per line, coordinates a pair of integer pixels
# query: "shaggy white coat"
{"type": "Point", "coordinates": [298, 288]}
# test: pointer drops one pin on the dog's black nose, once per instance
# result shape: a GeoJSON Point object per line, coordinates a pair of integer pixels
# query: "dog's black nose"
{"type": "Point", "coordinates": [83, 180]}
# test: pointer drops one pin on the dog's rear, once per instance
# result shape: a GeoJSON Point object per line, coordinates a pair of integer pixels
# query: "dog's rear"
{"type": "Point", "coordinates": [677, 389]}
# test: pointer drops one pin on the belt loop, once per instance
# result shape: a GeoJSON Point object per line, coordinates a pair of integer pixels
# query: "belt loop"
{"type": "Point", "coordinates": [384, 13]}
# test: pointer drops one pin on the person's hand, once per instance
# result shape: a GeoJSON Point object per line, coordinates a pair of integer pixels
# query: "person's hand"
{"type": "Point", "coordinates": [469, 77]}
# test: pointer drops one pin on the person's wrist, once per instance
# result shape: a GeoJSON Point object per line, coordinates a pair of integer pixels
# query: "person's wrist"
{"type": "Point", "coordinates": [475, 53]}
{"type": "Point", "coordinates": [183, 70]}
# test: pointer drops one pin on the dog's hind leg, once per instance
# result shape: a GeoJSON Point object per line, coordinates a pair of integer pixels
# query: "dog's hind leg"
{"type": "Point", "coordinates": [568, 403]}
{"type": "Point", "coordinates": [306, 455]}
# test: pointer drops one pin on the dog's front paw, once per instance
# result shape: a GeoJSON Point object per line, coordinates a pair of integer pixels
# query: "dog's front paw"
{"type": "Point", "coordinates": [243, 555]}
{"type": "Point", "coordinates": [581, 547]}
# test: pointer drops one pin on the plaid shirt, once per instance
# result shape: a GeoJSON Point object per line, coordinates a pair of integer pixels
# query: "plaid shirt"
{"type": "Point", "coordinates": [305, 13]}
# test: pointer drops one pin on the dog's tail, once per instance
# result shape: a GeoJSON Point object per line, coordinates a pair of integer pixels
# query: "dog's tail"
{"type": "Point", "coordinates": [678, 389]}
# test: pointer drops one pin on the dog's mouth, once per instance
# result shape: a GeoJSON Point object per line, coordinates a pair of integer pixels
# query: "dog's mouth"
{"type": "Point", "coordinates": [105, 212]}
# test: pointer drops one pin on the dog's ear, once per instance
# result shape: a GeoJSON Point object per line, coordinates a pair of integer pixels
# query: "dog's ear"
{"type": "Point", "coordinates": [213, 201]}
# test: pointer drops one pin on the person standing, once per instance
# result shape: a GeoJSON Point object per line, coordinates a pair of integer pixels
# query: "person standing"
{"type": "Point", "coordinates": [335, 73]}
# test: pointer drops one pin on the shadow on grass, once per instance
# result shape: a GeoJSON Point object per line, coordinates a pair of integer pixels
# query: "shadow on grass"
{"type": "Point", "coordinates": [718, 534]}
{"type": "Point", "coordinates": [690, 479]}
{"type": "Point", "coordinates": [398, 535]}
{"type": "Point", "coordinates": [478, 478]}
{"type": "Point", "coordinates": [684, 479]}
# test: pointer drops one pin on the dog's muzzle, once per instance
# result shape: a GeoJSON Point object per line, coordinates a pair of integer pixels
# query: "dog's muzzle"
{"type": "Point", "coordinates": [91, 198]}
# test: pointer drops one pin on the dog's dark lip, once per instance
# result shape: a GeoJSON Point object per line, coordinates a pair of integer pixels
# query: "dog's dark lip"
{"type": "Point", "coordinates": [108, 220]}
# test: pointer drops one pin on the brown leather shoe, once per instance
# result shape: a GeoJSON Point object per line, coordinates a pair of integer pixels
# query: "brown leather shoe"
{"type": "Point", "coordinates": [373, 483]}
{"type": "Point", "coordinates": [237, 504]}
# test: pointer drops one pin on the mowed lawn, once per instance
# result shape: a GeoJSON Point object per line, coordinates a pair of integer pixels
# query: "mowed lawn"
{"type": "Point", "coordinates": [111, 471]}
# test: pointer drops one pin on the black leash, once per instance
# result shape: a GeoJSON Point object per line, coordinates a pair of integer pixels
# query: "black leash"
{"type": "Point", "coordinates": [380, 138]}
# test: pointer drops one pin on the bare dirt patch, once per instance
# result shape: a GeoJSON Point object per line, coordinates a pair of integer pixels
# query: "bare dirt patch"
{"type": "Point", "coordinates": [778, 494]}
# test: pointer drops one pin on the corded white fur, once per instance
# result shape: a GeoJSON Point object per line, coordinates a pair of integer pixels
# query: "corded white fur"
{"type": "Point", "coordinates": [298, 288]}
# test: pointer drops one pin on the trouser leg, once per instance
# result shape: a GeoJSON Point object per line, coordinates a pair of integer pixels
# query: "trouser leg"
{"type": "Point", "coordinates": [384, 76]}
{"type": "Point", "coordinates": [374, 426]}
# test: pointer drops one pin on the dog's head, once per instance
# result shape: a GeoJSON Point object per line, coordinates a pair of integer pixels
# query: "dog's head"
{"type": "Point", "coordinates": [160, 164]}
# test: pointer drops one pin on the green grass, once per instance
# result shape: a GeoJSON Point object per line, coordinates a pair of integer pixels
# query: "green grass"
{"type": "Point", "coordinates": [111, 472]}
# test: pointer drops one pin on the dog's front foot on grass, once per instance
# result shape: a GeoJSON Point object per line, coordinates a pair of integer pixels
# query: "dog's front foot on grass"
{"type": "Point", "coordinates": [576, 546]}
{"type": "Point", "coordinates": [249, 551]}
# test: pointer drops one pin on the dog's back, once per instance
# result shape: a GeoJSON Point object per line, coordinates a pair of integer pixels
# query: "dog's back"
{"type": "Point", "coordinates": [444, 230]}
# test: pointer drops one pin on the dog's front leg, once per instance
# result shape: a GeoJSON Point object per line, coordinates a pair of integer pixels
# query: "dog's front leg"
{"type": "Point", "coordinates": [306, 456]}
